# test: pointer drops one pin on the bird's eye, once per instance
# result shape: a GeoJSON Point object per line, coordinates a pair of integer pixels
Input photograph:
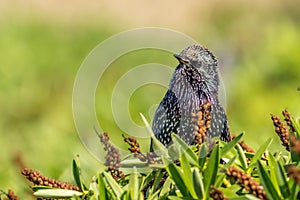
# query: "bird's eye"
{"type": "Point", "coordinates": [196, 64]}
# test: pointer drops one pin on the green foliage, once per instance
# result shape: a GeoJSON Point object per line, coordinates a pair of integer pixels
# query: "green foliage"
{"type": "Point", "coordinates": [192, 175]}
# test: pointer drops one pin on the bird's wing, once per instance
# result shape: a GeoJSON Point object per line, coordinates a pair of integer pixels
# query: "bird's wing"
{"type": "Point", "coordinates": [219, 124]}
{"type": "Point", "coordinates": [167, 117]}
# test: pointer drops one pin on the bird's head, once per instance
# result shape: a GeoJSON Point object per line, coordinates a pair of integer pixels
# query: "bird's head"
{"type": "Point", "coordinates": [200, 63]}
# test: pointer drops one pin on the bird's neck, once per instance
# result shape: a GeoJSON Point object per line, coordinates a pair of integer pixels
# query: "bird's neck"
{"type": "Point", "coordinates": [192, 81]}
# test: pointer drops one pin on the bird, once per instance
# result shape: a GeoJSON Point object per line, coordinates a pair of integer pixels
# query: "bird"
{"type": "Point", "coordinates": [194, 82]}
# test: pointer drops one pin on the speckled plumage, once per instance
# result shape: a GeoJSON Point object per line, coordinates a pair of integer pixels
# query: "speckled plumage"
{"type": "Point", "coordinates": [195, 81]}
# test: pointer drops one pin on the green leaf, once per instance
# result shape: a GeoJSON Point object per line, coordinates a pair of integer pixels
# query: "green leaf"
{"type": "Point", "coordinates": [157, 180]}
{"type": "Point", "coordinates": [78, 198]}
{"type": "Point", "coordinates": [282, 180]}
{"type": "Point", "coordinates": [148, 179]}
{"type": "Point", "coordinates": [134, 185]}
{"type": "Point", "coordinates": [131, 162]}
{"type": "Point", "coordinates": [273, 173]}
{"type": "Point", "coordinates": [297, 127]}
{"type": "Point", "coordinates": [294, 191]}
{"type": "Point", "coordinates": [176, 176]}
{"type": "Point", "coordinates": [166, 187]}
{"type": "Point", "coordinates": [179, 143]}
{"type": "Point", "coordinates": [93, 190]}
{"type": "Point", "coordinates": [202, 156]}
{"type": "Point", "coordinates": [179, 198]}
{"type": "Point", "coordinates": [211, 170]}
{"type": "Point", "coordinates": [39, 187]}
{"type": "Point", "coordinates": [157, 146]}
{"type": "Point", "coordinates": [187, 175]}
{"type": "Point", "coordinates": [147, 125]}
{"type": "Point", "coordinates": [154, 195]}
{"type": "Point", "coordinates": [242, 157]}
{"type": "Point", "coordinates": [102, 188]}
{"type": "Point", "coordinates": [259, 153]}
{"type": "Point", "coordinates": [56, 193]}
{"type": "Point", "coordinates": [230, 145]}
{"type": "Point", "coordinates": [157, 166]}
{"type": "Point", "coordinates": [113, 184]}
{"type": "Point", "coordinates": [77, 174]}
{"type": "Point", "coordinates": [246, 197]}
{"type": "Point", "coordinates": [125, 195]}
{"type": "Point", "coordinates": [175, 151]}
{"type": "Point", "coordinates": [231, 191]}
{"type": "Point", "coordinates": [267, 183]}
{"type": "Point", "coordinates": [294, 156]}
{"type": "Point", "coordinates": [251, 197]}
{"type": "Point", "coordinates": [141, 196]}
{"type": "Point", "coordinates": [241, 198]}
{"type": "Point", "coordinates": [198, 184]}
{"type": "Point", "coordinates": [229, 163]}
{"type": "Point", "coordinates": [220, 180]}
{"type": "Point", "coordinates": [128, 164]}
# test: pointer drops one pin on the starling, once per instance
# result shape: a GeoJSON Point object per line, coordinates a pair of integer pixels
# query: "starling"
{"type": "Point", "coordinates": [194, 82]}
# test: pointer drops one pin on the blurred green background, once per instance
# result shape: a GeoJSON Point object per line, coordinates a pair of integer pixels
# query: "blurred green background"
{"type": "Point", "coordinates": [43, 43]}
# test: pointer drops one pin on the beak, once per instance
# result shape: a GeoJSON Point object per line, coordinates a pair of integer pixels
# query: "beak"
{"type": "Point", "coordinates": [181, 59]}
